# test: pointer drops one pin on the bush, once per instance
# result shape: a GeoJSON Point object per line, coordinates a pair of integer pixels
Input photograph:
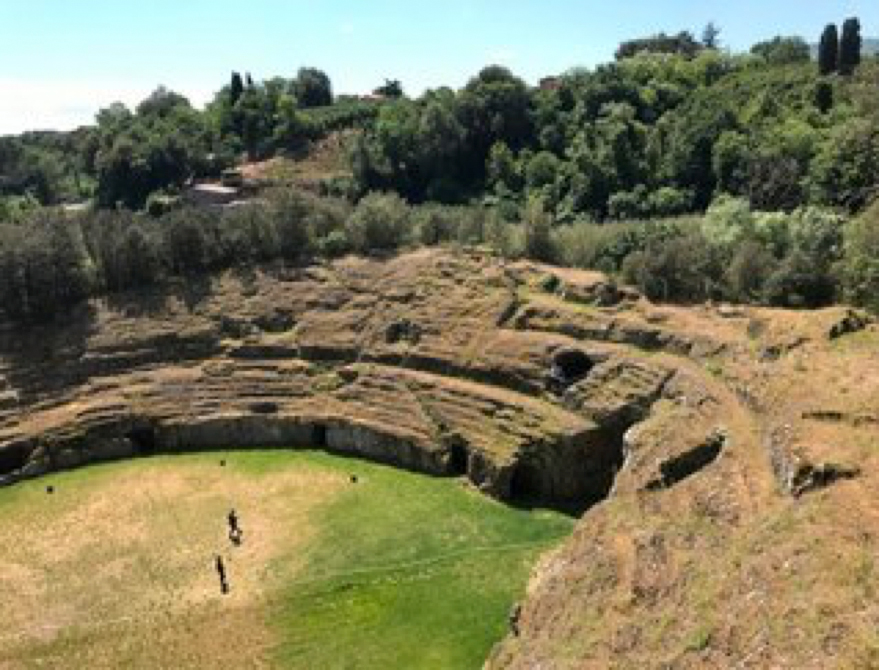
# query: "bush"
{"type": "Point", "coordinates": [326, 218]}
{"type": "Point", "coordinates": [748, 272]}
{"type": "Point", "coordinates": [799, 283]}
{"type": "Point", "coordinates": [334, 245]}
{"type": "Point", "coordinates": [248, 235]}
{"type": "Point", "coordinates": [45, 268]}
{"type": "Point", "coordinates": [434, 224]}
{"type": "Point", "coordinates": [471, 225]}
{"type": "Point", "coordinates": [682, 268]}
{"type": "Point", "coordinates": [503, 236]}
{"type": "Point", "coordinates": [859, 268]}
{"type": "Point", "coordinates": [728, 222]}
{"type": "Point", "coordinates": [290, 211]}
{"type": "Point", "coordinates": [629, 204]}
{"type": "Point", "coordinates": [537, 228]}
{"type": "Point", "coordinates": [605, 247]}
{"type": "Point", "coordinates": [668, 201]}
{"type": "Point", "coordinates": [381, 222]}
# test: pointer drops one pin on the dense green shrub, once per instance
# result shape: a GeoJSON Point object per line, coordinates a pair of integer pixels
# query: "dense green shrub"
{"type": "Point", "coordinates": [748, 272]}
{"type": "Point", "coordinates": [381, 222]}
{"type": "Point", "coordinates": [797, 283]}
{"type": "Point", "coordinates": [859, 268]}
{"type": "Point", "coordinates": [537, 233]}
{"type": "Point", "coordinates": [682, 268]}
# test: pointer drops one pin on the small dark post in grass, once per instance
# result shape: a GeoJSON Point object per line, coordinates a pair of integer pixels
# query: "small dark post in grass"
{"type": "Point", "coordinates": [223, 464]}
{"type": "Point", "coordinates": [50, 489]}
{"type": "Point", "coordinates": [353, 479]}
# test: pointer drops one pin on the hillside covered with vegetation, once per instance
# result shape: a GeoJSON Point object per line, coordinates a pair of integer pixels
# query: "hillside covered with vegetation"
{"type": "Point", "coordinates": [690, 171]}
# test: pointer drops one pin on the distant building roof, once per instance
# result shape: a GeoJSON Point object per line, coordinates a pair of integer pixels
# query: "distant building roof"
{"type": "Point", "coordinates": [76, 207]}
{"type": "Point", "coordinates": [215, 189]}
{"type": "Point", "coordinates": [211, 194]}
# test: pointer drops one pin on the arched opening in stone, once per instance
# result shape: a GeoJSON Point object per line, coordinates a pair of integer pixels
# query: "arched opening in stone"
{"type": "Point", "coordinates": [12, 459]}
{"type": "Point", "coordinates": [143, 440]}
{"type": "Point", "coordinates": [569, 366]}
{"type": "Point", "coordinates": [319, 436]}
{"type": "Point", "coordinates": [525, 485]}
{"type": "Point", "coordinates": [572, 364]}
{"type": "Point", "coordinates": [458, 458]}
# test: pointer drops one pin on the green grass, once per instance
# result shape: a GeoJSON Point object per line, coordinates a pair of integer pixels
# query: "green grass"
{"type": "Point", "coordinates": [410, 572]}
{"type": "Point", "coordinates": [398, 570]}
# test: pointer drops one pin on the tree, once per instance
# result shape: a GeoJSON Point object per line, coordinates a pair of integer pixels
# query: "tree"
{"type": "Point", "coordinates": [493, 107]}
{"type": "Point", "coordinates": [503, 172]}
{"type": "Point", "coordinates": [292, 127]}
{"type": "Point", "coordinates": [845, 170]}
{"type": "Point", "coordinates": [850, 47]}
{"type": "Point", "coordinates": [380, 223]}
{"type": "Point", "coordinates": [783, 50]}
{"type": "Point", "coordinates": [162, 103]}
{"type": "Point", "coordinates": [730, 162]}
{"type": "Point", "coordinates": [710, 35]}
{"type": "Point", "coordinates": [256, 114]}
{"type": "Point", "coordinates": [824, 96]}
{"type": "Point", "coordinates": [683, 44]}
{"type": "Point", "coordinates": [313, 88]}
{"type": "Point", "coordinates": [236, 88]}
{"type": "Point", "coordinates": [860, 265]}
{"type": "Point", "coordinates": [828, 50]}
{"type": "Point", "coordinates": [392, 88]}
{"type": "Point", "coordinates": [537, 232]}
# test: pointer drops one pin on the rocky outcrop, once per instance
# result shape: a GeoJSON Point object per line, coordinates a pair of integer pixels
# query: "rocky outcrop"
{"type": "Point", "coordinates": [795, 471]}
{"type": "Point", "coordinates": [399, 361]}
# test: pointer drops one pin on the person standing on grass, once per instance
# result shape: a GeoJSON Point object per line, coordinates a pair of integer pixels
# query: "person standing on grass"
{"type": "Point", "coordinates": [234, 530]}
{"type": "Point", "coordinates": [221, 571]}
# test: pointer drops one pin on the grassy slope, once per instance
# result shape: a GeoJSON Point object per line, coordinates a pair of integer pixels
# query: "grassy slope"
{"type": "Point", "coordinates": [396, 571]}
{"type": "Point", "coordinates": [414, 573]}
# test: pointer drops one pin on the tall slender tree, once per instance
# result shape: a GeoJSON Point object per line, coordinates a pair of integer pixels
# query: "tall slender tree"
{"type": "Point", "coordinates": [710, 36]}
{"type": "Point", "coordinates": [828, 51]}
{"type": "Point", "coordinates": [236, 88]}
{"type": "Point", "coordinates": [850, 47]}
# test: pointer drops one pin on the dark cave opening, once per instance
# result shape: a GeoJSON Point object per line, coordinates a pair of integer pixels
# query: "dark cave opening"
{"type": "Point", "coordinates": [525, 485]}
{"type": "Point", "coordinates": [143, 440]}
{"type": "Point", "coordinates": [458, 459]}
{"type": "Point", "coordinates": [13, 459]}
{"type": "Point", "coordinates": [569, 366]}
{"type": "Point", "coordinates": [319, 436]}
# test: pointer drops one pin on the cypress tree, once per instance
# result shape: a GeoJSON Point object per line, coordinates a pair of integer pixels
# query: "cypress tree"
{"type": "Point", "coordinates": [828, 52]}
{"type": "Point", "coordinates": [850, 47]}
{"type": "Point", "coordinates": [237, 88]}
{"type": "Point", "coordinates": [824, 96]}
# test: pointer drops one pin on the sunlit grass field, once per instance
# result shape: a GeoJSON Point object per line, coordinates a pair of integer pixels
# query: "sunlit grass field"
{"type": "Point", "coordinates": [116, 567]}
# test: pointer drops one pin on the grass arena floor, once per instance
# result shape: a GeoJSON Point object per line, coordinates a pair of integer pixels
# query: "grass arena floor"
{"type": "Point", "coordinates": [116, 567]}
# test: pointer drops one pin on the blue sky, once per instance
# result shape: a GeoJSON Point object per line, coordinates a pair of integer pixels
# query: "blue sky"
{"type": "Point", "coordinates": [64, 59]}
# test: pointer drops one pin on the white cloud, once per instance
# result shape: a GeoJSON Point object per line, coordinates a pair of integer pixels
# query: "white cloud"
{"type": "Point", "coordinates": [64, 104]}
